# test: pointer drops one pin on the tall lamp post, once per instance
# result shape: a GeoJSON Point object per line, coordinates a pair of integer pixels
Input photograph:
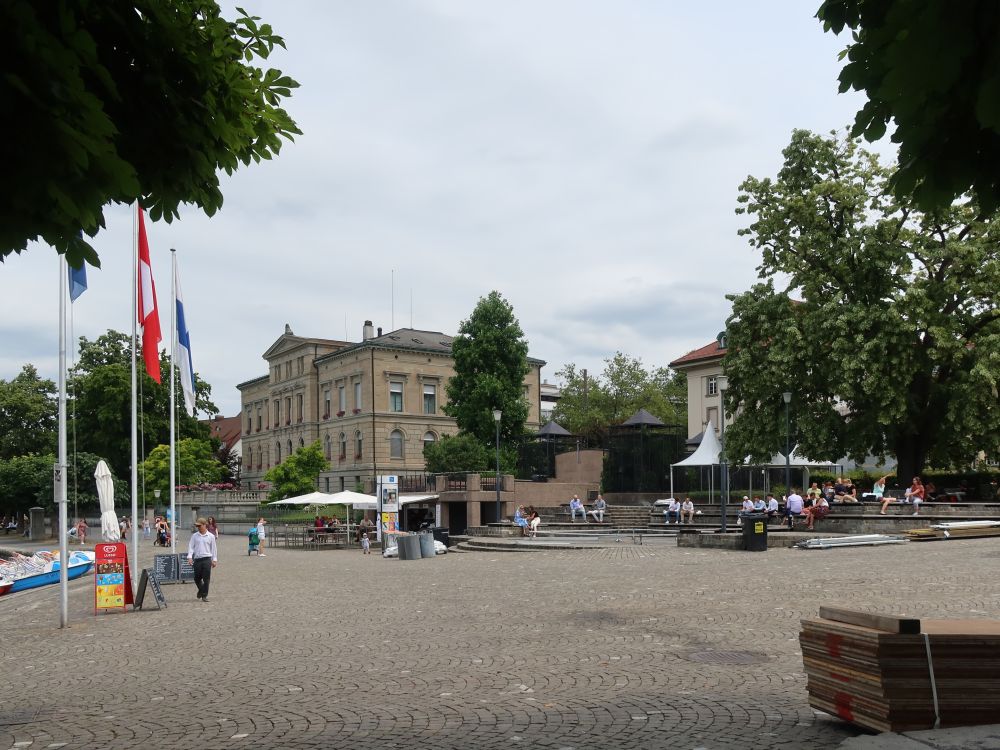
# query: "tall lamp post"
{"type": "Point", "coordinates": [496, 418]}
{"type": "Point", "coordinates": [156, 494]}
{"type": "Point", "coordinates": [722, 383]}
{"type": "Point", "coordinates": [787, 396]}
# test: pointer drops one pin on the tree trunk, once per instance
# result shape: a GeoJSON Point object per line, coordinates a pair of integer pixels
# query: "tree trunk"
{"type": "Point", "coordinates": [911, 454]}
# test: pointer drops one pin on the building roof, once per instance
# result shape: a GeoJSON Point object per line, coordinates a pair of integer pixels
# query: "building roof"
{"type": "Point", "coordinates": [643, 417]}
{"type": "Point", "coordinates": [227, 430]}
{"type": "Point", "coordinates": [554, 429]}
{"type": "Point", "coordinates": [253, 381]}
{"type": "Point", "coordinates": [410, 339]}
{"type": "Point", "coordinates": [703, 354]}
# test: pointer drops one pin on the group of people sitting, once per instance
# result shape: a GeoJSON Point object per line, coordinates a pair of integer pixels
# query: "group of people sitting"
{"type": "Point", "coordinates": [678, 513]}
{"type": "Point", "coordinates": [528, 520]}
{"type": "Point", "coordinates": [576, 506]}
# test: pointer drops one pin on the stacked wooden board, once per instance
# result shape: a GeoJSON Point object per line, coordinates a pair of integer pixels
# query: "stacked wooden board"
{"type": "Point", "coordinates": [873, 670]}
{"type": "Point", "coordinates": [956, 530]}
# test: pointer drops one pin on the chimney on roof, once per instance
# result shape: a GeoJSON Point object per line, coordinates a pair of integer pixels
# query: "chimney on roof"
{"type": "Point", "coordinates": [380, 331]}
{"type": "Point", "coordinates": [366, 332]}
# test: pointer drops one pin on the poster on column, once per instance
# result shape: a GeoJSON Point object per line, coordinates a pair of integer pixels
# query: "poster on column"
{"type": "Point", "coordinates": [390, 523]}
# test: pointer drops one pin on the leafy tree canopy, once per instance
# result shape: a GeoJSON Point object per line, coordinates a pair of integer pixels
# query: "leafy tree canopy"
{"type": "Point", "coordinates": [28, 414]}
{"type": "Point", "coordinates": [460, 452]}
{"type": "Point", "coordinates": [102, 385]}
{"type": "Point", "coordinates": [589, 406]}
{"type": "Point", "coordinates": [298, 474]}
{"type": "Point", "coordinates": [125, 100]}
{"type": "Point", "coordinates": [894, 347]}
{"type": "Point", "coordinates": [196, 463]}
{"type": "Point", "coordinates": [491, 362]}
{"type": "Point", "coordinates": [933, 70]}
{"type": "Point", "coordinates": [27, 481]}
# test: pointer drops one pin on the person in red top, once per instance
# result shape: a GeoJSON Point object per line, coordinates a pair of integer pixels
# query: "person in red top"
{"type": "Point", "coordinates": [915, 494]}
{"type": "Point", "coordinates": [318, 523]}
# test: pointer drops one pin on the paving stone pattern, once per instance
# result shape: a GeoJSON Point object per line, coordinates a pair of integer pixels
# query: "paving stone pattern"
{"type": "Point", "coordinates": [631, 647]}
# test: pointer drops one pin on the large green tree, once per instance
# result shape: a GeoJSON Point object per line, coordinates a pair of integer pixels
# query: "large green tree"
{"type": "Point", "coordinates": [28, 414]}
{"type": "Point", "coordinates": [491, 362]}
{"type": "Point", "coordinates": [891, 344]}
{"type": "Point", "coordinates": [297, 474]}
{"type": "Point", "coordinates": [27, 481]}
{"type": "Point", "coordinates": [456, 453]}
{"type": "Point", "coordinates": [102, 385]}
{"type": "Point", "coordinates": [589, 406]}
{"type": "Point", "coordinates": [932, 70]}
{"type": "Point", "coordinates": [125, 100]}
{"type": "Point", "coordinates": [196, 463]}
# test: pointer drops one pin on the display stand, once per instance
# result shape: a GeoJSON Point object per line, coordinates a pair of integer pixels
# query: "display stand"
{"type": "Point", "coordinates": [112, 580]}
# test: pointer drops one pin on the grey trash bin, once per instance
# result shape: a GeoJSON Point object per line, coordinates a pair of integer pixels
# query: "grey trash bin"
{"type": "Point", "coordinates": [426, 544]}
{"type": "Point", "coordinates": [409, 546]}
{"type": "Point", "coordinates": [441, 535]}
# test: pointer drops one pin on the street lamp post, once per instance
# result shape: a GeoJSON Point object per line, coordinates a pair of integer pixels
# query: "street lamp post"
{"type": "Point", "coordinates": [156, 494]}
{"type": "Point", "coordinates": [722, 383]}
{"type": "Point", "coordinates": [497, 414]}
{"type": "Point", "coordinates": [787, 396]}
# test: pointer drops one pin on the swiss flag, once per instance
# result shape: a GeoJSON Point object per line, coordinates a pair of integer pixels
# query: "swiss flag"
{"type": "Point", "coordinates": [149, 317]}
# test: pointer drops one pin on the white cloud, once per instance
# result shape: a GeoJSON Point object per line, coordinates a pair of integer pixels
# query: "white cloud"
{"type": "Point", "coordinates": [581, 157]}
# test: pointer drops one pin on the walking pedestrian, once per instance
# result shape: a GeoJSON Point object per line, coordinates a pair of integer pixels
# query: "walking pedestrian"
{"type": "Point", "coordinates": [366, 545]}
{"type": "Point", "coordinates": [145, 528]}
{"type": "Point", "coordinates": [203, 556]}
{"type": "Point", "coordinates": [81, 531]}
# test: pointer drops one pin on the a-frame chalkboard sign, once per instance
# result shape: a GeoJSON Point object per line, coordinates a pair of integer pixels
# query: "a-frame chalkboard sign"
{"type": "Point", "coordinates": [145, 578]}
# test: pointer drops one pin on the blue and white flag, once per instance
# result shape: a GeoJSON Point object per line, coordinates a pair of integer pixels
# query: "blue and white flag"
{"type": "Point", "coordinates": [77, 281]}
{"type": "Point", "coordinates": [182, 354]}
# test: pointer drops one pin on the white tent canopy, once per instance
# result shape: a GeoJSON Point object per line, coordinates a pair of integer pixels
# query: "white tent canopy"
{"type": "Point", "coordinates": [313, 498]}
{"type": "Point", "coordinates": [707, 454]}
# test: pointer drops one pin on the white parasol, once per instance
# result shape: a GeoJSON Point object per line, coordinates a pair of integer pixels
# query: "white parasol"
{"type": "Point", "coordinates": [110, 531]}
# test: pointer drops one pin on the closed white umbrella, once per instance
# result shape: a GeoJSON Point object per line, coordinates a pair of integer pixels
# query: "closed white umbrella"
{"type": "Point", "coordinates": [110, 531]}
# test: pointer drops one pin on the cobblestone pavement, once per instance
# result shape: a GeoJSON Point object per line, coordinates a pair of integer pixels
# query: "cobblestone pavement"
{"type": "Point", "coordinates": [635, 647]}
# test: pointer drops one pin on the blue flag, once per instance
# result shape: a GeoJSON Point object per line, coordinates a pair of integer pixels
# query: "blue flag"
{"type": "Point", "coordinates": [77, 281]}
{"type": "Point", "coordinates": [182, 353]}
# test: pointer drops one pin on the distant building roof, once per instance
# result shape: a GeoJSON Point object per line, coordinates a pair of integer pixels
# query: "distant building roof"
{"type": "Point", "coordinates": [705, 353]}
{"type": "Point", "coordinates": [227, 430]}
{"type": "Point", "coordinates": [410, 339]}
{"type": "Point", "coordinates": [552, 429]}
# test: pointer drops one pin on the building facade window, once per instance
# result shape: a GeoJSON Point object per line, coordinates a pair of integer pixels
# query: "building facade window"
{"type": "Point", "coordinates": [260, 416]}
{"type": "Point", "coordinates": [395, 396]}
{"type": "Point", "coordinates": [300, 365]}
{"type": "Point", "coordinates": [429, 438]}
{"type": "Point", "coordinates": [395, 444]}
{"type": "Point", "coordinates": [327, 449]}
{"type": "Point", "coordinates": [302, 443]}
{"type": "Point", "coordinates": [430, 399]}
{"type": "Point", "coordinates": [343, 446]}
{"type": "Point", "coordinates": [711, 385]}
{"type": "Point", "coordinates": [357, 395]}
{"type": "Point", "coordinates": [277, 453]}
{"type": "Point", "coordinates": [288, 369]}
{"type": "Point", "coordinates": [277, 412]}
{"type": "Point", "coordinates": [249, 427]}
{"type": "Point", "coordinates": [342, 483]}
{"type": "Point", "coordinates": [341, 399]}
{"type": "Point", "coordinates": [712, 417]}
{"type": "Point", "coordinates": [298, 407]}
{"type": "Point", "coordinates": [359, 444]}
{"type": "Point", "coordinates": [326, 403]}
{"type": "Point", "coordinates": [288, 410]}
{"type": "Point", "coordinates": [289, 447]}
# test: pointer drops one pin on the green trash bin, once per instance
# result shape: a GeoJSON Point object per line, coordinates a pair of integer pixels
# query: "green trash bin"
{"type": "Point", "coordinates": [755, 532]}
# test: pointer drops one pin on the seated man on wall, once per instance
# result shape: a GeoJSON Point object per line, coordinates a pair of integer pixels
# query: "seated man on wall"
{"type": "Point", "coordinates": [599, 507]}
{"type": "Point", "coordinates": [687, 511]}
{"type": "Point", "coordinates": [576, 506]}
{"type": "Point", "coordinates": [672, 514]}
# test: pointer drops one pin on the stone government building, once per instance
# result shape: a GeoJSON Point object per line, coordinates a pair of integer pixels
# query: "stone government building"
{"type": "Point", "coordinates": [324, 389]}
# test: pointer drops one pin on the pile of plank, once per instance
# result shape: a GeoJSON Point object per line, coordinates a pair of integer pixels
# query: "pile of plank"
{"type": "Point", "coordinates": [955, 530]}
{"type": "Point", "coordinates": [874, 671]}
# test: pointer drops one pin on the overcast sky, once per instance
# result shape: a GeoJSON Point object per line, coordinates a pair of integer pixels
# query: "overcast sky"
{"type": "Point", "coordinates": [581, 157]}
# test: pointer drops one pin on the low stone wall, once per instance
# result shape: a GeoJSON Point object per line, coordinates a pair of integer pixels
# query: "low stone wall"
{"type": "Point", "coordinates": [580, 467]}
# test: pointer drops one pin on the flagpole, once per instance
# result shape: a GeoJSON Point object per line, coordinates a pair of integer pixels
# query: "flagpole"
{"type": "Point", "coordinates": [173, 408]}
{"type": "Point", "coordinates": [135, 418]}
{"type": "Point", "coordinates": [60, 468]}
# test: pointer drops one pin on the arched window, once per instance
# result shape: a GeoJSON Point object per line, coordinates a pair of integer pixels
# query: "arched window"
{"type": "Point", "coordinates": [302, 443]}
{"type": "Point", "coordinates": [359, 444]}
{"type": "Point", "coordinates": [277, 454]}
{"type": "Point", "coordinates": [343, 446]}
{"type": "Point", "coordinates": [429, 438]}
{"type": "Point", "coordinates": [289, 447]}
{"type": "Point", "coordinates": [327, 449]}
{"type": "Point", "coordinates": [395, 444]}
